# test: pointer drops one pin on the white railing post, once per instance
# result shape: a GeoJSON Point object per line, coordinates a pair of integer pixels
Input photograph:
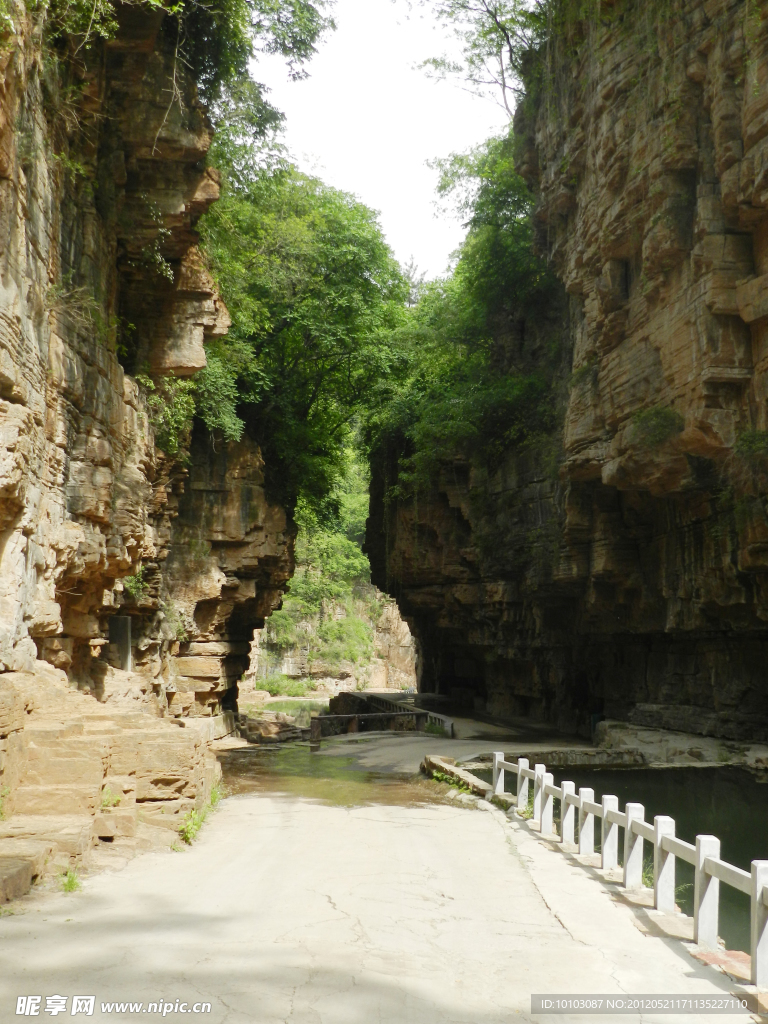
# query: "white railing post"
{"type": "Point", "coordinates": [547, 807]}
{"type": "Point", "coordinates": [567, 813]}
{"type": "Point", "coordinates": [633, 848]}
{"type": "Point", "coordinates": [522, 784]}
{"type": "Point", "coordinates": [538, 781]}
{"type": "Point", "coordinates": [706, 894]}
{"type": "Point", "coordinates": [759, 924]}
{"type": "Point", "coordinates": [586, 823]}
{"type": "Point", "coordinates": [663, 866]}
{"type": "Point", "coordinates": [498, 773]}
{"type": "Point", "coordinates": [609, 835]}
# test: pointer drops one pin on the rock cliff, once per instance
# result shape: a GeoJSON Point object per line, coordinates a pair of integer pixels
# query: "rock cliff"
{"type": "Point", "coordinates": [630, 582]}
{"type": "Point", "coordinates": [131, 575]}
{"type": "Point", "coordinates": [392, 663]}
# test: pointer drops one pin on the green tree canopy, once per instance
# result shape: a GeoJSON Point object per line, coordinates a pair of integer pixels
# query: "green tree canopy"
{"type": "Point", "coordinates": [496, 36]}
{"type": "Point", "coordinates": [314, 293]}
{"type": "Point", "coordinates": [219, 37]}
{"type": "Point", "coordinates": [481, 350]}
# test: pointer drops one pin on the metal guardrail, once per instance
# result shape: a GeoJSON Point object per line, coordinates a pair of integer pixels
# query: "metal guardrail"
{"type": "Point", "coordinates": [433, 717]}
{"type": "Point", "coordinates": [704, 855]}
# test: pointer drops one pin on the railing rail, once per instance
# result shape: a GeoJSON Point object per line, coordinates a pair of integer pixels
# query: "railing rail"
{"type": "Point", "coordinates": [432, 717]}
{"type": "Point", "coordinates": [709, 869]}
{"type": "Point", "coordinates": [685, 851]}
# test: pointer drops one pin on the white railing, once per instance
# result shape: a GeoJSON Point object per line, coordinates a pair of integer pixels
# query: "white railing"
{"type": "Point", "coordinates": [704, 855]}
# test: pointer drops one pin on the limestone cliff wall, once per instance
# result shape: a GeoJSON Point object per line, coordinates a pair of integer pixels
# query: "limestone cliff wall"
{"type": "Point", "coordinates": [131, 576]}
{"type": "Point", "coordinates": [102, 178]}
{"type": "Point", "coordinates": [631, 582]}
{"type": "Point", "coordinates": [392, 665]}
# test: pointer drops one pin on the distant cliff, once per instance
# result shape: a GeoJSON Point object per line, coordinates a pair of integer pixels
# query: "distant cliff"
{"type": "Point", "coordinates": [629, 578]}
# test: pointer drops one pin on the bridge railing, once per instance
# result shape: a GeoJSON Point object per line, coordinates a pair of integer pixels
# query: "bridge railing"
{"type": "Point", "coordinates": [433, 717]}
{"type": "Point", "coordinates": [709, 869]}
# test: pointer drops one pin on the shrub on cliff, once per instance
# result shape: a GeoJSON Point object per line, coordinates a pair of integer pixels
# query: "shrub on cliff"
{"type": "Point", "coordinates": [481, 355]}
{"type": "Point", "coordinates": [655, 426]}
{"type": "Point", "coordinates": [330, 610]}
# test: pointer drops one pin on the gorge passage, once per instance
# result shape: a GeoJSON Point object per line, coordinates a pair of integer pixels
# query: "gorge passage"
{"type": "Point", "coordinates": [567, 436]}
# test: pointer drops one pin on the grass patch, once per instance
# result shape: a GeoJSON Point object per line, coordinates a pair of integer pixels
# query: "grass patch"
{"type": "Point", "coordinates": [451, 781]}
{"type": "Point", "coordinates": [69, 881]}
{"type": "Point", "coordinates": [292, 707]}
{"type": "Point", "coordinates": [300, 710]}
{"type": "Point", "coordinates": [527, 812]}
{"type": "Point", "coordinates": [109, 799]}
{"type": "Point", "coordinates": [193, 821]}
{"type": "Point", "coordinates": [285, 686]}
{"type": "Point", "coordinates": [191, 825]}
{"type": "Point", "coordinates": [4, 792]}
{"type": "Point", "coordinates": [435, 730]}
{"type": "Point", "coordinates": [648, 873]}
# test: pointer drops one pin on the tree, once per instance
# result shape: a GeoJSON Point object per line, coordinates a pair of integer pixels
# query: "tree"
{"type": "Point", "coordinates": [481, 350]}
{"type": "Point", "coordinates": [218, 38]}
{"type": "Point", "coordinates": [495, 36]}
{"type": "Point", "coordinates": [314, 293]}
{"type": "Point", "coordinates": [415, 280]}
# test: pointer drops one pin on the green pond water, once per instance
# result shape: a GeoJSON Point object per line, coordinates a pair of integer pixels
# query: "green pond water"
{"type": "Point", "coordinates": [333, 775]}
{"type": "Point", "coordinates": [731, 803]}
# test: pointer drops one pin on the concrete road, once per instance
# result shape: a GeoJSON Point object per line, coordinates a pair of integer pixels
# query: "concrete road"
{"type": "Point", "coordinates": [404, 752]}
{"type": "Point", "coordinates": [289, 910]}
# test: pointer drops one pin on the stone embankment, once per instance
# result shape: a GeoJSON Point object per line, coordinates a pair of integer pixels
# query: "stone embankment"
{"type": "Point", "coordinates": [76, 774]}
{"type": "Point", "coordinates": [626, 577]}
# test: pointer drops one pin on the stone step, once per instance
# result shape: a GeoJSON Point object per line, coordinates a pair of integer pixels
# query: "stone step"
{"type": "Point", "coordinates": [38, 852]}
{"type": "Point", "coordinates": [116, 822]}
{"type": "Point", "coordinates": [46, 767]}
{"type": "Point", "coordinates": [49, 731]}
{"type": "Point", "coordinates": [164, 813]}
{"type": "Point", "coordinates": [55, 740]}
{"type": "Point", "coordinates": [15, 877]}
{"type": "Point", "coordinates": [76, 798]}
{"type": "Point", "coordinates": [64, 833]}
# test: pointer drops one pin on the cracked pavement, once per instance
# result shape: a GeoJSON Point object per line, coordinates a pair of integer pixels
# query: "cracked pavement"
{"type": "Point", "coordinates": [289, 910]}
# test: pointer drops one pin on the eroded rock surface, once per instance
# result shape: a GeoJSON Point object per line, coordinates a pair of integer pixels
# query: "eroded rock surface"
{"type": "Point", "coordinates": [631, 581]}
{"type": "Point", "coordinates": [393, 664]}
{"type": "Point", "coordinates": [122, 570]}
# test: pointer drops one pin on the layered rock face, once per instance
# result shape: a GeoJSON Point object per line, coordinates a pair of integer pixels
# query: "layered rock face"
{"type": "Point", "coordinates": [631, 582]}
{"type": "Point", "coordinates": [393, 664]}
{"type": "Point", "coordinates": [102, 179]}
{"type": "Point", "coordinates": [230, 560]}
{"type": "Point", "coordinates": [84, 494]}
{"type": "Point", "coordinates": [100, 266]}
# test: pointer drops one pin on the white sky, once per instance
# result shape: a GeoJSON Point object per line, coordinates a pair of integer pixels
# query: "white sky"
{"type": "Point", "coordinates": [367, 120]}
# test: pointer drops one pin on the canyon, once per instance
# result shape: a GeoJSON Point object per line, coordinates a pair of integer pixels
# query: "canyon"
{"type": "Point", "coordinates": [612, 570]}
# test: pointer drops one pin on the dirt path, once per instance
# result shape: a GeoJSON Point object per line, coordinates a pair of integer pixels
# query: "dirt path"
{"type": "Point", "coordinates": [289, 910]}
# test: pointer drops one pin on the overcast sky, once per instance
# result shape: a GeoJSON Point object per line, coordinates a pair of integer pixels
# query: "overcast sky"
{"type": "Point", "coordinates": [367, 120]}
